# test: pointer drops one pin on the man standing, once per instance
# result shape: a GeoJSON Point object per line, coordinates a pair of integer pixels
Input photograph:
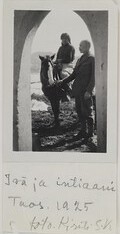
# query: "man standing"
{"type": "Point", "coordinates": [84, 82]}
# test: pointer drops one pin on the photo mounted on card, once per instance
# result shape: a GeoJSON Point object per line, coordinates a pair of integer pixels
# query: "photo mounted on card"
{"type": "Point", "coordinates": [60, 117]}
{"type": "Point", "coordinates": [60, 84]}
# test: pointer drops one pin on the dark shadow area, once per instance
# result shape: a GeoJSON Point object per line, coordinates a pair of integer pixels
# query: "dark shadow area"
{"type": "Point", "coordinates": [47, 137]}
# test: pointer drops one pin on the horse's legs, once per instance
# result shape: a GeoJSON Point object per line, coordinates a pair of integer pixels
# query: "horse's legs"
{"type": "Point", "coordinates": [55, 103]}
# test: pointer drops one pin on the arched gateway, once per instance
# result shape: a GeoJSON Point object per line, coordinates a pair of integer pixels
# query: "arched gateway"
{"type": "Point", "coordinates": [26, 24]}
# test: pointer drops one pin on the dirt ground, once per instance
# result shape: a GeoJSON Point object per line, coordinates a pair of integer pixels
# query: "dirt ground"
{"type": "Point", "coordinates": [47, 137]}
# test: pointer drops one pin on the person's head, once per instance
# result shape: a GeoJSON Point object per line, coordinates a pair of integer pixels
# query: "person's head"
{"type": "Point", "coordinates": [84, 46]}
{"type": "Point", "coordinates": [65, 38]}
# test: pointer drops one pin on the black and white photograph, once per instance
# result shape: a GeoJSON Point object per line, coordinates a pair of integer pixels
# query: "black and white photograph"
{"type": "Point", "coordinates": [60, 71]}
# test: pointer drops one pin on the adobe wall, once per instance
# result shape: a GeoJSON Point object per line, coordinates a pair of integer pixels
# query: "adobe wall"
{"type": "Point", "coordinates": [25, 26]}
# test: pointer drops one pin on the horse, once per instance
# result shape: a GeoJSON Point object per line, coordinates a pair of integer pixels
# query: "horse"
{"type": "Point", "coordinates": [49, 87]}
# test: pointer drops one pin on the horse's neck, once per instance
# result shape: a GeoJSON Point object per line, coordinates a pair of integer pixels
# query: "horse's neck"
{"type": "Point", "coordinates": [50, 75]}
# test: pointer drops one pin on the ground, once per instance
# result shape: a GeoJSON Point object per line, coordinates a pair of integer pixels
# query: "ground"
{"type": "Point", "coordinates": [47, 137]}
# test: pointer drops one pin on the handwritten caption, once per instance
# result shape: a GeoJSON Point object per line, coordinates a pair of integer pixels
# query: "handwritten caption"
{"type": "Point", "coordinates": [63, 204]}
{"type": "Point", "coordinates": [70, 183]}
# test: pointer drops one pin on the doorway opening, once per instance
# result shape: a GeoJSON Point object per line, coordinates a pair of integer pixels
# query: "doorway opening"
{"type": "Point", "coordinates": [46, 41]}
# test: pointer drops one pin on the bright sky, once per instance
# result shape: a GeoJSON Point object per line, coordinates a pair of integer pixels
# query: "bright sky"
{"type": "Point", "coordinates": [47, 37]}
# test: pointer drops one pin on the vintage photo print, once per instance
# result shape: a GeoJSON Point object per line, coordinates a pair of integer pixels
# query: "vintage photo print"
{"type": "Point", "coordinates": [63, 87]}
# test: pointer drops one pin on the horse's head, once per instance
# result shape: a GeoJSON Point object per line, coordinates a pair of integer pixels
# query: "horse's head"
{"type": "Point", "coordinates": [47, 70]}
{"type": "Point", "coordinates": [47, 60]}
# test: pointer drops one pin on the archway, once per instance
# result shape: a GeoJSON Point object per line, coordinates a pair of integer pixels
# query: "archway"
{"type": "Point", "coordinates": [45, 136]}
{"type": "Point", "coordinates": [98, 27]}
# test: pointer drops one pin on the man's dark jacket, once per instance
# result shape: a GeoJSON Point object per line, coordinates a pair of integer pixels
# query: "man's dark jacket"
{"type": "Point", "coordinates": [83, 75]}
